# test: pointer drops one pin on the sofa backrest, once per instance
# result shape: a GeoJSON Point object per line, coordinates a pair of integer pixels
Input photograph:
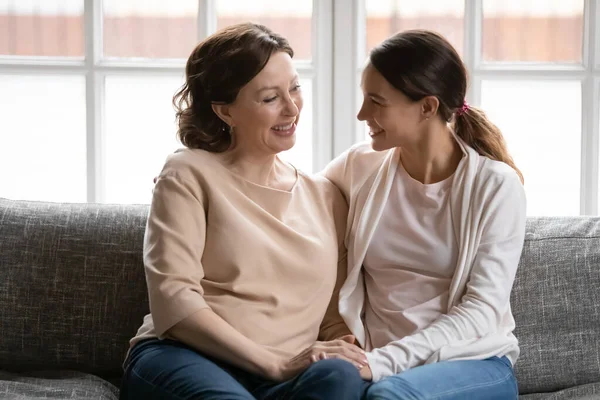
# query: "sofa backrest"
{"type": "Point", "coordinates": [556, 304]}
{"type": "Point", "coordinates": [73, 292]}
{"type": "Point", "coordinates": [72, 285]}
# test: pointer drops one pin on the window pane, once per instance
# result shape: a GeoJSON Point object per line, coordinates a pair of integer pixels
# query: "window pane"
{"type": "Point", "coordinates": [139, 135]}
{"type": "Point", "coordinates": [386, 17]}
{"type": "Point", "coordinates": [292, 19]}
{"type": "Point", "coordinates": [52, 28]}
{"type": "Point", "coordinates": [149, 29]}
{"type": "Point", "coordinates": [544, 141]}
{"type": "Point", "coordinates": [533, 31]}
{"type": "Point", "coordinates": [43, 138]}
{"type": "Point", "coordinates": [301, 155]}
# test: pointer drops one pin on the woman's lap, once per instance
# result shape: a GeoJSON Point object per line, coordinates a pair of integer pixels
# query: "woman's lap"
{"type": "Point", "coordinates": [166, 369]}
{"type": "Point", "coordinates": [451, 380]}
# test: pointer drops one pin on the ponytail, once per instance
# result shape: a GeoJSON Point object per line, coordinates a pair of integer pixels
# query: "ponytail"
{"type": "Point", "coordinates": [474, 128]}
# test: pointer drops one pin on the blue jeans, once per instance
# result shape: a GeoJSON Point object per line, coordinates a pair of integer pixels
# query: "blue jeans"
{"type": "Point", "coordinates": [167, 369]}
{"type": "Point", "coordinates": [488, 379]}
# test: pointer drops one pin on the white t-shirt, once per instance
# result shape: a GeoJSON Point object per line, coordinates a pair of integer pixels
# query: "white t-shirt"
{"type": "Point", "coordinates": [410, 261]}
{"type": "Point", "coordinates": [488, 207]}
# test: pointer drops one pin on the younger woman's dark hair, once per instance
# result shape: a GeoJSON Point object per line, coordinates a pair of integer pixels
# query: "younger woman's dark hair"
{"type": "Point", "coordinates": [422, 63]}
{"type": "Point", "coordinates": [214, 74]}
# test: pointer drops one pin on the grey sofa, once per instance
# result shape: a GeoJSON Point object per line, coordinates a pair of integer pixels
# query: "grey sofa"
{"type": "Point", "coordinates": [73, 291]}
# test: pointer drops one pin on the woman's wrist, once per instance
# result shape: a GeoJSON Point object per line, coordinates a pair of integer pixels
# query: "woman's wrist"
{"type": "Point", "coordinates": [269, 365]}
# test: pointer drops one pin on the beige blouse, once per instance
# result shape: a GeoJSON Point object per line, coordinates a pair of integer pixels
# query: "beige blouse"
{"type": "Point", "coordinates": [263, 259]}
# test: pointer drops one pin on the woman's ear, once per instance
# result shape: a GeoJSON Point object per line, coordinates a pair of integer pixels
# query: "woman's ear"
{"type": "Point", "coordinates": [223, 112]}
{"type": "Point", "coordinates": [429, 106]}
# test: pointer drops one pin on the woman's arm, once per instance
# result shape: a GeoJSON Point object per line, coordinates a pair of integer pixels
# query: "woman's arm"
{"type": "Point", "coordinates": [213, 336]}
{"type": "Point", "coordinates": [487, 295]}
{"type": "Point", "coordinates": [173, 248]}
{"type": "Point", "coordinates": [337, 172]}
{"type": "Point", "coordinates": [333, 326]}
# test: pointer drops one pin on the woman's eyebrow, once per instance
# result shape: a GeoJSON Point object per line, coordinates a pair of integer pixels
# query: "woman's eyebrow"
{"type": "Point", "coordinates": [295, 78]}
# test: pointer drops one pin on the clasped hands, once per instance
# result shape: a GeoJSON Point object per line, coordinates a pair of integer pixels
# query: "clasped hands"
{"type": "Point", "coordinates": [343, 348]}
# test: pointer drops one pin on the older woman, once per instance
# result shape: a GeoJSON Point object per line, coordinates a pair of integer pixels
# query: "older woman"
{"type": "Point", "coordinates": [241, 249]}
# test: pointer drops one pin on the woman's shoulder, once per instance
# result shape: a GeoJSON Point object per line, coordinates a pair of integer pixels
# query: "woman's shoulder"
{"type": "Point", "coordinates": [497, 173]}
{"type": "Point", "coordinates": [324, 193]}
{"type": "Point", "coordinates": [363, 152]}
{"type": "Point", "coordinates": [498, 183]}
{"type": "Point", "coordinates": [318, 182]}
{"type": "Point", "coordinates": [188, 164]}
{"type": "Point", "coordinates": [358, 161]}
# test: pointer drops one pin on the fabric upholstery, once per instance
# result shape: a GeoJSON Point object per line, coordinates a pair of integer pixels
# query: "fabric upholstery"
{"type": "Point", "coordinates": [584, 392]}
{"type": "Point", "coordinates": [72, 287]}
{"type": "Point", "coordinates": [556, 304]}
{"type": "Point", "coordinates": [55, 385]}
{"type": "Point", "coordinates": [73, 292]}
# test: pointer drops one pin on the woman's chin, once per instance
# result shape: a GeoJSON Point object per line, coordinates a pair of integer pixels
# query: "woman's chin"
{"type": "Point", "coordinates": [379, 144]}
{"type": "Point", "coordinates": [284, 144]}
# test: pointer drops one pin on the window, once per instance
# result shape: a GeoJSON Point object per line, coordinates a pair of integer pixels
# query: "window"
{"type": "Point", "coordinates": [86, 86]}
{"type": "Point", "coordinates": [534, 68]}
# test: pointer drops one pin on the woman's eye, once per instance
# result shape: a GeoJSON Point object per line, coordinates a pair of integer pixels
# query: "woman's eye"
{"type": "Point", "coordinates": [270, 99]}
{"type": "Point", "coordinates": [295, 88]}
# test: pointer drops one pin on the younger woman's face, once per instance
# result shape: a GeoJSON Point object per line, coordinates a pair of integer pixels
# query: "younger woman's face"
{"type": "Point", "coordinates": [394, 120]}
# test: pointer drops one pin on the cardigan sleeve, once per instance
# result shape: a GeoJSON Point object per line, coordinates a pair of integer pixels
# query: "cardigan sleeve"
{"type": "Point", "coordinates": [333, 325]}
{"type": "Point", "coordinates": [487, 294]}
{"type": "Point", "coordinates": [337, 172]}
{"type": "Point", "coordinates": [173, 247]}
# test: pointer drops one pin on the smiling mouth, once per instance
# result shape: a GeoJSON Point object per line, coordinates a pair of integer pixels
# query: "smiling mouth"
{"type": "Point", "coordinates": [373, 132]}
{"type": "Point", "coordinates": [283, 128]}
{"type": "Point", "coordinates": [287, 130]}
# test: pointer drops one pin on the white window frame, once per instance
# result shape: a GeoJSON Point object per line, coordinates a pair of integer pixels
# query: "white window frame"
{"type": "Point", "coordinates": [338, 40]}
{"type": "Point", "coordinates": [349, 23]}
{"type": "Point", "coordinates": [95, 69]}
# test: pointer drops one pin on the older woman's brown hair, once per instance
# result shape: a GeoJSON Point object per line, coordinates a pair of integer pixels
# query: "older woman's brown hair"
{"type": "Point", "coordinates": [215, 72]}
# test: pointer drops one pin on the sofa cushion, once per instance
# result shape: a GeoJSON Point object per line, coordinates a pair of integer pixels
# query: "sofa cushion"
{"type": "Point", "coordinates": [55, 385]}
{"type": "Point", "coordinates": [583, 392]}
{"type": "Point", "coordinates": [556, 304]}
{"type": "Point", "coordinates": [72, 285]}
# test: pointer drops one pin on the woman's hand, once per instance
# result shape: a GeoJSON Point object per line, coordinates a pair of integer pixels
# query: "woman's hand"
{"type": "Point", "coordinates": [342, 348]}
{"type": "Point", "coordinates": [366, 373]}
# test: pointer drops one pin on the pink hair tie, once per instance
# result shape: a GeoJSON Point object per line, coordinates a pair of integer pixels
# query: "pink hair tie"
{"type": "Point", "coordinates": [463, 109]}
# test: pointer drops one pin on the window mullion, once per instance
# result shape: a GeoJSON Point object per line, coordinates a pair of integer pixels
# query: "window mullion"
{"type": "Point", "coordinates": [595, 33]}
{"type": "Point", "coordinates": [589, 116]}
{"type": "Point", "coordinates": [472, 48]}
{"type": "Point", "coordinates": [346, 34]}
{"type": "Point", "coordinates": [207, 18]}
{"type": "Point", "coordinates": [94, 100]}
{"type": "Point", "coordinates": [322, 67]}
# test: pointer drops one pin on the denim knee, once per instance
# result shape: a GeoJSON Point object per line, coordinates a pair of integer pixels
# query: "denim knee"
{"type": "Point", "coordinates": [337, 375]}
{"type": "Point", "coordinates": [390, 389]}
{"type": "Point", "coordinates": [380, 390]}
{"type": "Point", "coordinates": [336, 367]}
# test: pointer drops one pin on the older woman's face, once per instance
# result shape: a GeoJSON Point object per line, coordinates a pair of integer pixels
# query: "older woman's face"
{"type": "Point", "coordinates": [267, 109]}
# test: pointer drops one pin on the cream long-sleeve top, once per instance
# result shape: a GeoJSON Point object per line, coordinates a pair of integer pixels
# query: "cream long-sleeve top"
{"type": "Point", "coordinates": [263, 259]}
{"type": "Point", "coordinates": [487, 210]}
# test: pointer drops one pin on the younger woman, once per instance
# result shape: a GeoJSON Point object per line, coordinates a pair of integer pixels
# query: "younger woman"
{"type": "Point", "coordinates": [436, 229]}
